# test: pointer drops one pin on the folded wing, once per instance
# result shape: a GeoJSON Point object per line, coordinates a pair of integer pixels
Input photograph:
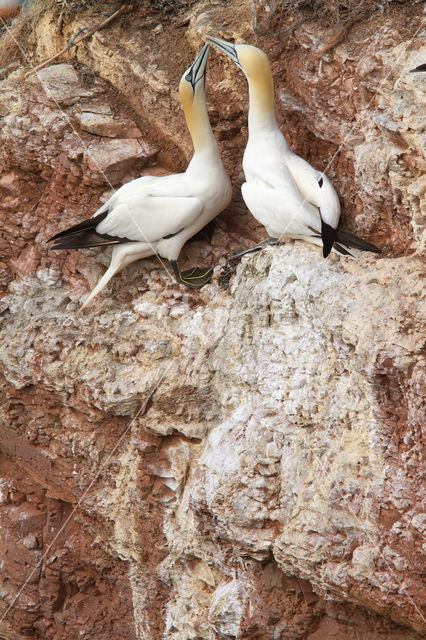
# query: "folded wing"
{"type": "Point", "coordinates": [132, 215]}
{"type": "Point", "coordinates": [282, 212]}
{"type": "Point", "coordinates": [150, 218]}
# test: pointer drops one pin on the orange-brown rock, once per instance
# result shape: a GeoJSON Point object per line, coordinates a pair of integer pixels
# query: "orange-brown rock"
{"type": "Point", "coordinates": [240, 463]}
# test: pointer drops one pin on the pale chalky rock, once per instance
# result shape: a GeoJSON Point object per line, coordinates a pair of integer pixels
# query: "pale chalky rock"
{"type": "Point", "coordinates": [105, 125]}
{"type": "Point", "coordinates": [246, 462]}
{"type": "Point", "coordinates": [62, 84]}
{"type": "Point", "coordinates": [114, 158]}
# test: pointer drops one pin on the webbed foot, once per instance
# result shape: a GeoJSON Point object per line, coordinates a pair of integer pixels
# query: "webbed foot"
{"type": "Point", "coordinates": [194, 278]}
{"type": "Point", "coordinates": [257, 247]}
{"type": "Point", "coordinates": [228, 270]}
{"type": "Point", "coordinates": [231, 264]}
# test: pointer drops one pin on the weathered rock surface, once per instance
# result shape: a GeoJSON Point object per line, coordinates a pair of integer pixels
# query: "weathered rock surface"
{"type": "Point", "coordinates": [244, 463]}
{"type": "Point", "coordinates": [105, 125]}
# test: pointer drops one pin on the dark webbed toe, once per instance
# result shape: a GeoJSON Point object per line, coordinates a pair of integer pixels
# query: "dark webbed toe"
{"type": "Point", "coordinates": [228, 270]}
{"type": "Point", "coordinates": [257, 247]}
{"type": "Point", "coordinates": [194, 278]}
{"type": "Point", "coordinates": [234, 259]}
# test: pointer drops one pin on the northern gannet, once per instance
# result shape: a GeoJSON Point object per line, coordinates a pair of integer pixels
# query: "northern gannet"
{"type": "Point", "coordinates": [158, 214]}
{"type": "Point", "coordinates": [283, 191]}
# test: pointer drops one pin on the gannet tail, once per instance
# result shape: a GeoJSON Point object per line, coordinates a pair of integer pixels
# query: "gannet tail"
{"type": "Point", "coordinates": [350, 240]}
{"type": "Point", "coordinates": [84, 235]}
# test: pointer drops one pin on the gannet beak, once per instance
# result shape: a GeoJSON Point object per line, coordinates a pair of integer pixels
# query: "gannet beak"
{"type": "Point", "coordinates": [227, 47]}
{"type": "Point", "coordinates": [197, 71]}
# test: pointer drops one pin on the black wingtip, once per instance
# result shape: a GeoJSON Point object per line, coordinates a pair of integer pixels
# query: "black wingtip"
{"type": "Point", "coordinates": [86, 240]}
{"type": "Point", "coordinates": [342, 250]}
{"type": "Point", "coordinates": [84, 236]}
{"type": "Point", "coordinates": [351, 240]}
{"type": "Point", "coordinates": [86, 225]}
{"type": "Point", "coordinates": [328, 235]}
{"type": "Point", "coordinates": [373, 248]}
{"type": "Point", "coordinates": [421, 67]}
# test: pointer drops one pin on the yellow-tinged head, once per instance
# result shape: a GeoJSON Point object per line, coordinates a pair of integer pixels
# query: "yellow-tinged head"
{"type": "Point", "coordinates": [193, 98]}
{"type": "Point", "coordinates": [193, 82]}
{"type": "Point", "coordinates": [255, 65]}
{"type": "Point", "coordinates": [253, 61]}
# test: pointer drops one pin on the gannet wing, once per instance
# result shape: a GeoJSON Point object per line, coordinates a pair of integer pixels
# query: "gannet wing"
{"type": "Point", "coordinates": [147, 218]}
{"type": "Point", "coordinates": [138, 186]}
{"type": "Point", "coordinates": [316, 188]}
{"type": "Point", "coordinates": [281, 211]}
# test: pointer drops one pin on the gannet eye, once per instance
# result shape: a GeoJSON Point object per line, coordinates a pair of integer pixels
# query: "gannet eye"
{"type": "Point", "coordinates": [188, 77]}
{"type": "Point", "coordinates": [320, 181]}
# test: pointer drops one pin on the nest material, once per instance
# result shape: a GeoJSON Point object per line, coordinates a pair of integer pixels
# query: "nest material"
{"type": "Point", "coordinates": [15, 34]}
{"type": "Point", "coordinates": [334, 12]}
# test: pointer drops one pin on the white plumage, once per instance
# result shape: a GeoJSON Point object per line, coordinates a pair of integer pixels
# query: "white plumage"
{"type": "Point", "coordinates": [154, 207]}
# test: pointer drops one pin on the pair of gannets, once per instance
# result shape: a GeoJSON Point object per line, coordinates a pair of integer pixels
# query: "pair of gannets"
{"type": "Point", "coordinates": [157, 215]}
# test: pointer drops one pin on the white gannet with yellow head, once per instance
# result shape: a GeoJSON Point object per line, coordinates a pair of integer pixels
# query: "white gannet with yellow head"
{"type": "Point", "coordinates": [283, 191]}
{"type": "Point", "coordinates": [158, 214]}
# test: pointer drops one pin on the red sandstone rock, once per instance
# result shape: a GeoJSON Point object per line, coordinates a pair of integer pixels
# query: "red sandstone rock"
{"type": "Point", "coordinates": [271, 486]}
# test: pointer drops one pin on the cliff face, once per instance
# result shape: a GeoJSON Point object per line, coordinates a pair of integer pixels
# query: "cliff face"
{"type": "Point", "coordinates": [245, 463]}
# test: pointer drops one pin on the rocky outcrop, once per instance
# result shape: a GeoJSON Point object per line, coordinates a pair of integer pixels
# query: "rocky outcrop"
{"type": "Point", "coordinates": [224, 463]}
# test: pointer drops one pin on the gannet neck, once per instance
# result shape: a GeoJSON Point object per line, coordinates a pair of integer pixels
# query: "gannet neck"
{"type": "Point", "coordinates": [261, 106]}
{"type": "Point", "coordinates": [198, 124]}
{"type": "Point", "coordinates": [192, 92]}
{"type": "Point", "coordinates": [257, 70]}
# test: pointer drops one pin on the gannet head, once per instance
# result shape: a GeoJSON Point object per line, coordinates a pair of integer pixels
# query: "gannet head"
{"type": "Point", "coordinates": [253, 61]}
{"type": "Point", "coordinates": [193, 81]}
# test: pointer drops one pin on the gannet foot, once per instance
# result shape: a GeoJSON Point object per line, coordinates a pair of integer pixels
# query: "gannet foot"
{"type": "Point", "coordinates": [257, 247]}
{"type": "Point", "coordinates": [194, 278]}
{"type": "Point", "coordinates": [231, 264]}
{"type": "Point", "coordinates": [228, 270]}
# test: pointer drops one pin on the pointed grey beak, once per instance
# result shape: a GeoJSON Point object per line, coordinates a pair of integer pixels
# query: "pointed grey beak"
{"type": "Point", "coordinates": [227, 47]}
{"type": "Point", "coordinates": [197, 71]}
